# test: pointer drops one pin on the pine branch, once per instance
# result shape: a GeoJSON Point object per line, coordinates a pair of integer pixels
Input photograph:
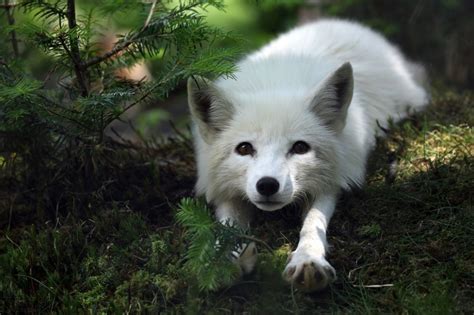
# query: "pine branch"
{"type": "Point", "coordinates": [119, 47]}
{"type": "Point", "coordinates": [210, 245]}
{"type": "Point", "coordinates": [144, 32]}
{"type": "Point", "coordinates": [150, 90]}
{"type": "Point", "coordinates": [75, 53]}
{"type": "Point", "coordinates": [46, 9]}
{"type": "Point", "coordinates": [11, 21]}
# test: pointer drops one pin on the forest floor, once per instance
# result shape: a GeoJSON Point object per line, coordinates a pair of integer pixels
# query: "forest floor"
{"type": "Point", "coordinates": [403, 244]}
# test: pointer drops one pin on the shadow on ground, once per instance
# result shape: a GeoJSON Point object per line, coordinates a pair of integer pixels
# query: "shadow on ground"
{"type": "Point", "coordinates": [403, 244]}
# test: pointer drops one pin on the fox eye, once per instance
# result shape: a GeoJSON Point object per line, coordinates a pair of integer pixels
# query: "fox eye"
{"type": "Point", "coordinates": [244, 148]}
{"type": "Point", "coordinates": [299, 147]}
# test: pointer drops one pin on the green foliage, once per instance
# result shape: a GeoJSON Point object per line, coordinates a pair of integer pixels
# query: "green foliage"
{"type": "Point", "coordinates": [51, 127]}
{"type": "Point", "coordinates": [210, 245]}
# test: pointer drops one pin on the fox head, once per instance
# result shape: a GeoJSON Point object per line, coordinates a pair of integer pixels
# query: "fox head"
{"type": "Point", "coordinates": [271, 147]}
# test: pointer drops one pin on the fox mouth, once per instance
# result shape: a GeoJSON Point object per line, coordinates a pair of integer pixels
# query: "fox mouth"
{"type": "Point", "coordinates": [268, 202]}
{"type": "Point", "coordinates": [269, 205]}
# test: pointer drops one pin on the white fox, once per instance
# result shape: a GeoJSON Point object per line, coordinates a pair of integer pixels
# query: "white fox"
{"type": "Point", "coordinates": [294, 126]}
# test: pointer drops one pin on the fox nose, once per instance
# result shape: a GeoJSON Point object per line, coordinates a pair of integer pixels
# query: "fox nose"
{"type": "Point", "coordinates": [267, 186]}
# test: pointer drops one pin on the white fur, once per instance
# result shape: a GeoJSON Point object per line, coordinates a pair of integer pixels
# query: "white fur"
{"type": "Point", "coordinates": [270, 104]}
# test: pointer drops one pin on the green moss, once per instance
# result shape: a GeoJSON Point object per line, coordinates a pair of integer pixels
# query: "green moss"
{"type": "Point", "coordinates": [403, 246]}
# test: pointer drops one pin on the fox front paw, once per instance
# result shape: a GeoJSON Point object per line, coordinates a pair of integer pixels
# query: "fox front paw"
{"type": "Point", "coordinates": [245, 258]}
{"type": "Point", "coordinates": [308, 272]}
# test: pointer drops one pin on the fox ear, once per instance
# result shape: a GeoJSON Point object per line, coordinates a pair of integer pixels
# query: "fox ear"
{"type": "Point", "coordinates": [210, 111]}
{"type": "Point", "coordinates": [334, 97]}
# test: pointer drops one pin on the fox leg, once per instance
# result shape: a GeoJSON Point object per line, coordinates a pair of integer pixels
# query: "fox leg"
{"type": "Point", "coordinates": [307, 267]}
{"type": "Point", "coordinates": [237, 213]}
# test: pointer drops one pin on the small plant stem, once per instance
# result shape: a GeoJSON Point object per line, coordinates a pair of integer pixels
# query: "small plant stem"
{"type": "Point", "coordinates": [150, 14]}
{"type": "Point", "coordinates": [117, 49]}
{"type": "Point", "coordinates": [79, 69]}
{"type": "Point", "coordinates": [11, 21]}
{"type": "Point", "coordinates": [254, 239]}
